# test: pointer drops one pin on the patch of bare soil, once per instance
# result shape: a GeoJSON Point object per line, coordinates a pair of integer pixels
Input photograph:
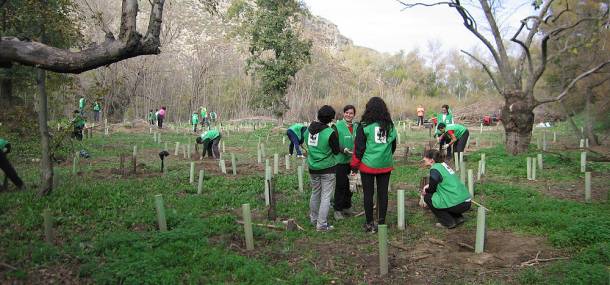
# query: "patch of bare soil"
{"type": "Point", "coordinates": [575, 190]}
{"type": "Point", "coordinates": [64, 273]}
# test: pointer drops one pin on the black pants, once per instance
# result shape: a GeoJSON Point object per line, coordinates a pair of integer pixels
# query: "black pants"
{"type": "Point", "coordinates": [77, 133]}
{"type": "Point", "coordinates": [447, 217]}
{"type": "Point", "coordinates": [420, 120]}
{"type": "Point", "coordinates": [368, 186]}
{"type": "Point", "coordinates": [212, 148]}
{"type": "Point", "coordinates": [96, 116]}
{"type": "Point", "coordinates": [460, 144]}
{"type": "Point", "coordinates": [160, 122]}
{"type": "Point", "coordinates": [343, 197]}
{"type": "Point", "coordinates": [9, 171]}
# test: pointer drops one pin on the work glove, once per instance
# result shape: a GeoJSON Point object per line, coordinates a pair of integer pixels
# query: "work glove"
{"type": "Point", "coordinates": [347, 151]}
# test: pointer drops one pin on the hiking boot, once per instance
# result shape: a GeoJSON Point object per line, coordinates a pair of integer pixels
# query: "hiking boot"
{"type": "Point", "coordinates": [370, 228]}
{"type": "Point", "coordinates": [339, 215]}
{"type": "Point", "coordinates": [324, 228]}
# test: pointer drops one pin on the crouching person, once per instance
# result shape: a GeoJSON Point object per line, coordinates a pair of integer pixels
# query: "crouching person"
{"type": "Point", "coordinates": [445, 195]}
{"type": "Point", "coordinates": [323, 144]}
{"type": "Point", "coordinates": [210, 140]}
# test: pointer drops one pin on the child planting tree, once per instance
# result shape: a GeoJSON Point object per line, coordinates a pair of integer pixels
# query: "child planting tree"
{"type": "Point", "coordinates": [210, 140]}
{"type": "Point", "coordinates": [323, 145]}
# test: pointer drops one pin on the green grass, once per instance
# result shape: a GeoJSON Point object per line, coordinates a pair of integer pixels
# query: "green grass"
{"type": "Point", "coordinates": [107, 229]}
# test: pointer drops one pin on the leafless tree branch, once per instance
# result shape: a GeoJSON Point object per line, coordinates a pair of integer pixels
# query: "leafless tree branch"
{"type": "Point", "coordinates": [573, 83]}
{"type": "Point", "coordinates": [486, 68]}
{"type": "Point", "coordinates": [129, 44]}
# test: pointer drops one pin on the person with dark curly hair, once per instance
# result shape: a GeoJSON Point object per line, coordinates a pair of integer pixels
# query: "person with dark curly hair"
{"type": "Point", "coordinates": [374, 146]}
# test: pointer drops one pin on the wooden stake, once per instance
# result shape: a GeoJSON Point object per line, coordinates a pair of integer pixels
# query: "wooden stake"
{"type": "Point", "coordinates": [540, 163]}
{"type": "Point", "coordinates": [223, 167]}
{"type": "Point", "coordinates": [483, 171]}
{"type": "Point", "coordinates": [534, 166]}
{"type": "Point", "coordinates": [160, 213]}
{"type": "Point", "coordinates": [177, 150]}
{"type": "Point", "coordinates": [456, 161]}
{"type": "Point", "coordinates": [554, 137]}
{"type": "Point", "coordinates": [188, 151]}
{"type": "Point", "coordinates": [582, 143]}
{"type": "Point", "coordinates": [247, 216]}
{"type": "Point", "coordinates": [263, 150]}
{"type": "Point", "coordinates": [479, 170]}
{"type": "Point", "coordinates": [463, 173]}
{"type": "Point", "coordinates": [287, 161]}
{"type": "Point", "coordinates": [259, 156]}
{"type": "Point", "coordinates": [529, 168]}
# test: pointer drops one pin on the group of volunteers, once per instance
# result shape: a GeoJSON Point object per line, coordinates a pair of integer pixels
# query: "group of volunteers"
{"type": "Point", "coordinates": [157, 117]}
{"type": "Point", "coordinates": [340, 150]}
{"type": "Point", "coordinates": [206, 119]}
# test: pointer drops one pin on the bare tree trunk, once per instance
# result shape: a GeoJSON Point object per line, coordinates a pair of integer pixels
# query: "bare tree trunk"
{"type": "Point", "coordinates": [46, 166]}
{"type": "Point", "coordinates": [588, 120]}
{"type": "Point", "coordinates": [518, 120]}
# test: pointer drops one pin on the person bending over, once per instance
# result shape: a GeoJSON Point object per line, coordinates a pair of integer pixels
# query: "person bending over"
{"type": "Point", "coordinates": [445, 195]}
{"type": "Point", "coordinates": [296, 136]}
{"type": "Point", "coordinates": [210, 140]}
{"type": "Point", "coordinates": [455, 136]}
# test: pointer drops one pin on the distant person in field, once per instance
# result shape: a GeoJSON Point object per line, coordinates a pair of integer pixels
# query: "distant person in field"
{"type": "Point", "coordinates": [96, 111]}
{"type": "Point", "coordinates": [210, 140]}
{"type": "Point", "coordinates": [446, 117]}
{"type": "Point", "coordinates": [445, 195]}
{"type": "Point", "coordinates": [151, 117]}
{"type": "Point", "coordinates": [81, 105]}
{"type": "Point", "coordinates": [420, 115]}
{"type": "Point", "coordinates": [454, 135]}
{"type": "Point", "coordinates": [346, 131]}
{"type": "Point", "coordinates": [323, 145]}
{"type": "Point", "coordinates": [296, 135]}
{"type": "Point", "coordinates": [7, 167]}
{"type": "Point", "coordinates": [373, 149]}
{"type": "Point", "coordinates": [161, 117]}
{"type": "Point", "coordinates": [204, 116]}
{"type": "Point", "coordinates": [213, 117]}
{"type": "Point", "coordinates": [78, 123]}
{"type": "Point", "coordinates": [194, 121]}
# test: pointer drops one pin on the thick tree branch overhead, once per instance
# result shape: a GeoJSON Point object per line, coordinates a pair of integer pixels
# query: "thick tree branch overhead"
{"type": "Point", "coordinates": [129, 44]}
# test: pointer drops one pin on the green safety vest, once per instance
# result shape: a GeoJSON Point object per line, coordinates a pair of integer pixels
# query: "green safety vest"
{"type": "Point", "coordinates": [448, 119]}
{"type": "Point", "coordinates": [320, 154]}
{"type": "Point", "coordinates": [194, 119]}
{"type": "Point", "coordinates": [296, 129]}
{"type": "Point", "coordinates": [96, 106]}
{"type": "Point", "coordinates": [451, 191]}
{"type": "Point", "coordinates": [204, 113]}
{"type": "Point", "coordinates": [346, 140]}
{"type": "Point", "coordinates": [81, 103]}
{"type": "Point", "coordinates": [210, 135]}
{"type": "Point", "coordinates": [79, 121]}
{"type": "Point", "coordinates": [458, 130]}
{"type": "Point", "coordinates": [151, 115]}
{"type": "Point", "coordinates": [3, 143]}
{"type": "Point", "coordinates": [378, 153]}
{"type": "Point", "coordinates": [213, 115]}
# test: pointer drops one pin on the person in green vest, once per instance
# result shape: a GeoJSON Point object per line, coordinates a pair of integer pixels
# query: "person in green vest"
{"type": "Point", "coordinates": [445, 116]}
{"type": "Point", "coordinates": [445, 195]}
{"type": "Point", "coordinates": [296, 137]}
{"type": "Point", "coordinates": [213, 117]}
{"type": "Point", "coordinates": [455, 136]}
{"type": "Point", "coordinates": [323, 145]}
{"type": "Point", "coordinates": [78, 123]}
{"type": "Point", "coordinates": [194, 121]}
{"type": "Point", "coordinates": [204, 116]}
{"type": "Point", "coordinates": [373, 149]}
{"type": "Point", "coordinates": [151, 117]}
{"type": "Point", "coordinates": [210, 140]}
{"type": "Point", "coordinates": [96, 111]}
{"type": "Point", "coordinates": [7, 167]}
{"type": "Point", "coordinates": [345, 130]}
{"type": "Point", "coordinates": [81, 105]}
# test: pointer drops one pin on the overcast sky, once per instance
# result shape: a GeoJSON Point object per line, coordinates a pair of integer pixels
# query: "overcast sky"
{"type": "Point", "coordinates": [381, 25]}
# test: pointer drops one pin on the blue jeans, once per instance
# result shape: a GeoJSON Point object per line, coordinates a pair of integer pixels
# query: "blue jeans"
{"type": "Point", "coordinates": [294, 143]}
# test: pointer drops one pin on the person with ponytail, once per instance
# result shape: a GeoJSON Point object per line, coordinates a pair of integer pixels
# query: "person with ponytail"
{"type": "Point", "coordinates": [374, 146]}
{"type": "Point", "coordinates": [445, 195]}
